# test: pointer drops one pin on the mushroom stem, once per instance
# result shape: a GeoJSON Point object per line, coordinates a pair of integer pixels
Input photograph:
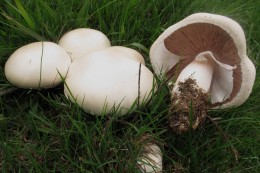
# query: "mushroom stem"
{"type": "Point", "coordinates": [191, 89]}
{"type": "Point", "coordinates": [201, 70]}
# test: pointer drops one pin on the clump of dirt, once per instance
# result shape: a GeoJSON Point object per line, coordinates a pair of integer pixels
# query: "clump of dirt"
{"type": "Point", "coordinates": [188, 107]}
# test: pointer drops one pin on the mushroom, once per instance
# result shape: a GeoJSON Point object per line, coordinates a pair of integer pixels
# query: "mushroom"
{"type": "Point", "coordinates": [109, 79]}
{"type": "Point", "coordinates": [83, 40]}
{"type": "Point", "coordinates": [37, 65]}
{"type": "Point", "coordinates": [150, 160]}
{"type": "Point", "coordinates": [206, 54]}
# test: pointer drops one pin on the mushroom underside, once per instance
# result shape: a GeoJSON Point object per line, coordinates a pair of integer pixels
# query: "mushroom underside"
{"type": "Point", "coordinates": [191, 40]}
{"type": "Point", "coordinates": [208, 47]}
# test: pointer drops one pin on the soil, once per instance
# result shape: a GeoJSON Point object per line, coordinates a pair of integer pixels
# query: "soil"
{"type": "Point", "coordinates": [188, 107]}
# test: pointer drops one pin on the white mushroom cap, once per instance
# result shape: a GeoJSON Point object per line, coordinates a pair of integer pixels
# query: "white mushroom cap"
{"type": "Point", "coordinates": [105, 79]}
{"type": "Point", "coordinates": [151, 159]}
{"type": "Point", "coordinates": [202, 32]}
{"type": "Point", "coordinates": [83, 40]}
{"type": "Point", "coordinates": [131, 53]}
{"type": "Point", "coordinates": [37, 65]}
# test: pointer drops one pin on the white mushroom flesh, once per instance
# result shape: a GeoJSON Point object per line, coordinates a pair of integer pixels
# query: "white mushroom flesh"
{"type": "Point", "coordinates": [210, 75]}
{"type": "Point", "coordinates": [201, 70]}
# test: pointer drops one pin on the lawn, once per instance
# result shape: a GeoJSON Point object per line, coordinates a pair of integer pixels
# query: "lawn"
{"type": "Point", "coordinates": [42, 131]}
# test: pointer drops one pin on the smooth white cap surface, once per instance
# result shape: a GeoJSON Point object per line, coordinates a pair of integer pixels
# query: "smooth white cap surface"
{"type": "Point", "coordinates": [37, 65]}
{"type": "Point", "coordinates": [79, 42]}
{"type": "Point", "coordinates": [131, 53]}
{"type": "Point", "coordinates": [104, 79]}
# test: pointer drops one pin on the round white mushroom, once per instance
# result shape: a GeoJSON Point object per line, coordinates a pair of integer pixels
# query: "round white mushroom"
{"type": "Point", "coordinates": [37, 65]}
{"type": "Point", "coordinates": [211, 50]}
{"type": "Point", "coordinates": [150, 160]}
{"type": "Point", "coordinates": [108, 80]}
{"type": "Point", "coordinates": [79, 42]}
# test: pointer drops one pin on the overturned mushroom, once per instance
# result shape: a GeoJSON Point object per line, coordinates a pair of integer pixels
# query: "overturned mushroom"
{"type": "Point", "coordinates": [206, 55]}
{"type": "Point", "coordinates": [109, 79]}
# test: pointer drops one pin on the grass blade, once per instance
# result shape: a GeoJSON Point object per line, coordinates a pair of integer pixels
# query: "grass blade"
{"type": "Point", "coordinates": [25, 15]}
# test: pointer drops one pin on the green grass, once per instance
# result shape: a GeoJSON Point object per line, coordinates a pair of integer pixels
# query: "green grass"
{"type": "Point", "coordinates": [41, 131]}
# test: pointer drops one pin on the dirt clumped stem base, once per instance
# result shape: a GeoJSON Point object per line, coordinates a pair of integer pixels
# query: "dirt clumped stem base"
{"type": "Point", "coordinates": [189, 107]}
